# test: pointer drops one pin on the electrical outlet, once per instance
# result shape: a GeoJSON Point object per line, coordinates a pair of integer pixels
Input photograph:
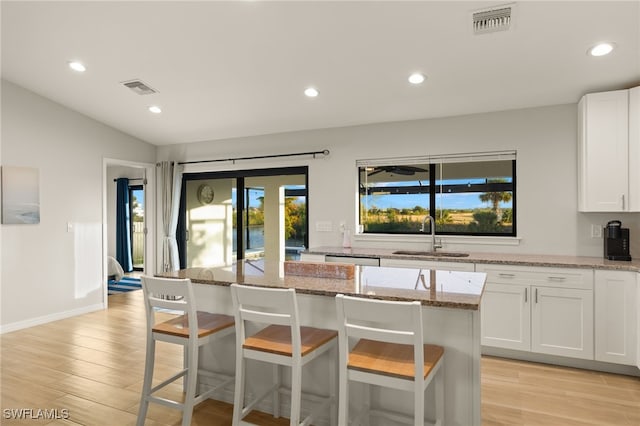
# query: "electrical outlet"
{"type": "Point", "coordinates": [596, 231]}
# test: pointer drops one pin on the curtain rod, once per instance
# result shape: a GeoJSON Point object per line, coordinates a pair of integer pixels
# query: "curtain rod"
{"type": "Point", "coordinates": [115, 180]}
{"type": "Point", "coordinates": [314, 153]}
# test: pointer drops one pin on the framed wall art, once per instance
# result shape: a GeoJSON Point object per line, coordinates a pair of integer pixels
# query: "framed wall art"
{"type": "Point", "coordinates": [20, 195]}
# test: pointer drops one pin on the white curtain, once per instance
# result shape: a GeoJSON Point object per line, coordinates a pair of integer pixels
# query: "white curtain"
{"type": "Point", "coordinates": [170, 183]}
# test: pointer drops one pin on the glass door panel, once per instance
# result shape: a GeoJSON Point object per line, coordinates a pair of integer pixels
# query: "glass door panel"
{"type": "Point", "coordinates": [210, 222]}
{"type": "Point", "coordinates": [136, 197]}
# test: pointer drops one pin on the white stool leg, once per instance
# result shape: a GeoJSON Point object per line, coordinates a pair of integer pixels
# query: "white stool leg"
{"type": "Point", "coordinates": [333, 382]}
{"type": "Point", "coordinates": [191, 378]}
{"type": "Point", "coordinates": [418, 403]}
{"type": "Point", "coordinates": [277, 380]}
{"type": "Point", "coordinates": [238, 399]}
{"type": "Point", "coordinates": [148, 379]}
{"type": "Point", "coordinates": [296, 391]}
{"type": "Point", "coordinates": [439, 391]}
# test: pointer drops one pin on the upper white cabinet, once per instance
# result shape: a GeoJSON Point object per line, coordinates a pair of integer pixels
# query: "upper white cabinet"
{"type": "Point", "coordinates": [616, 321]}
{"type": "Point", "coordinates": [609, 151]}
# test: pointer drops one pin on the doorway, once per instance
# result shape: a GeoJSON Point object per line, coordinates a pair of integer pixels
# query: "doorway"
{"type": "Point", "coordinates": [246, 214]}
{"type": "Point", "coordinates": [141, 191]}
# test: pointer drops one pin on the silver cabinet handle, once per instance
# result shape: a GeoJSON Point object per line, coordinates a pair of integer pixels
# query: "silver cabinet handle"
{"type": "Point", "coordinates": [536, 295]}
{"type": "Point", "coordinates": [503, 275]}
{"type": "Point", "coordinates": [556, 278]}
{"type": "Point", "coordinates": [623, 207]}
{"type": "Point", "coordinates": [526, 295]}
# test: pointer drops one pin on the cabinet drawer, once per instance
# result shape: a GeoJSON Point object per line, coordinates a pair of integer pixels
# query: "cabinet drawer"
{"type": "Point", "coordinates": [538, 276]}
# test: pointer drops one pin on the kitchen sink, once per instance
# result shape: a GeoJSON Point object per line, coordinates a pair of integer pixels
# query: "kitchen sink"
{"type": "Point", "coordinates": [431, 253]}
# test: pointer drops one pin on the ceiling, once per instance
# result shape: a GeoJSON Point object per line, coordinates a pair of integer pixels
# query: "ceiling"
{"type": "Point", "coordinates": [239, 68]}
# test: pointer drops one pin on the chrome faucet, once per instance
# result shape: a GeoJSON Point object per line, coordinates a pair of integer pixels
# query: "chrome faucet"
{"type": "Point", "coordinates": [434, 246]}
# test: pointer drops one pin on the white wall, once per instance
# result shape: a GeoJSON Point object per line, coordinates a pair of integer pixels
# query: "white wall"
{"type": "Point", "coordinates": [43, 265]}
{"type": "Point", "coordinates": [544, 138]}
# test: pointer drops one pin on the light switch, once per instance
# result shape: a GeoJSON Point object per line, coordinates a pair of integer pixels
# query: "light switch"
{"type": "Point", "coordinates": [69, 227]}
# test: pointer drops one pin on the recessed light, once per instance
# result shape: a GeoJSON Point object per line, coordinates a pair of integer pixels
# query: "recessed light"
{"type": "Point", "coordinates": [601, 49]}
{"type": "Point", "coordinates": [77, 66]}
{"type": "Point", "coordinates": [155, 109]}
{"type": "Point", "coordinates": [416, 78]}
{"type": "Point", "coordinates": [311, 92]}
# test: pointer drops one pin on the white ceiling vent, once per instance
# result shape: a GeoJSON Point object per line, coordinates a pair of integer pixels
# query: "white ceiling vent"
{"type": "Point", "coordinates": [498, 18]}
{"type": "Point", "coordinates": [139, 87]}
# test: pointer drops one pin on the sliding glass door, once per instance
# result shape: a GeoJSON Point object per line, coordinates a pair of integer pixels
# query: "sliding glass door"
{"type": "Point", "coordinates": [244, 214]}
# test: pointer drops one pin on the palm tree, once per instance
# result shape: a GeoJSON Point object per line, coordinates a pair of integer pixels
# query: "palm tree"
{"type": "Point", "coordinates": [495, 198]}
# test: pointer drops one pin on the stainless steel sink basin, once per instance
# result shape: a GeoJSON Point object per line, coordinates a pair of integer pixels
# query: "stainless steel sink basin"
{"type": "Point", "coordinates": [431, 253]}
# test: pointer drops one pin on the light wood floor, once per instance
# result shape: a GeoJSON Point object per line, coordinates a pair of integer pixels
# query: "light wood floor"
{"type": "Point", "coordinates": [92, 366]}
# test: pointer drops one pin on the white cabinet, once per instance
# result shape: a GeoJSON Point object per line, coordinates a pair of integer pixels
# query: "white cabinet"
{"type": "Point", "coordinates": [616, 317]}
{"type": "Point", "coordinates": [543, 310]}
{"type": "Point", "coordinates": [562, 321]}
{"type": "Point", "coordinates": [505, 316]}
{"type": "Point", "coordinates": [609, 151]}
{"type": "Point", "coordinates": [428, 264]}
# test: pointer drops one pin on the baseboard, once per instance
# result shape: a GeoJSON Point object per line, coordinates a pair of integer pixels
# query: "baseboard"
{"type": "Point", "coordinates": [19, 325]}
{"type": "Point", "coordinates": [584, 364]}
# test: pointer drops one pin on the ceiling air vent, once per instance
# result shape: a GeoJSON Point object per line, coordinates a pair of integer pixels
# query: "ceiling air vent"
{"type": "Point", "coordinates": [498, 18]}
{"type": "Point", "coordinates": [139, 87]}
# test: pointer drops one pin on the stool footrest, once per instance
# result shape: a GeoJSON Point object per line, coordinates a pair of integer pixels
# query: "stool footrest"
{"type": "Point", "coordinates": [169, 380]}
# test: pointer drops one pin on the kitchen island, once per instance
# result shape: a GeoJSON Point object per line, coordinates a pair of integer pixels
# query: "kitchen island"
{"type": "Point", "coordinates": [450, 300]}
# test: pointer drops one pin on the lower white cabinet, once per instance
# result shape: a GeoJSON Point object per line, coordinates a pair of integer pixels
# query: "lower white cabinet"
{"type": "Point", "coordinates": [616, 320]}
{"type": "Point", "coordinates": [543, 310]}
{"type": "Point", "coordinates": [499, 303]}
{"type": "Point", "coordinates": [562, 321]}
{"type": "Point", "coordinates": [428, 264]}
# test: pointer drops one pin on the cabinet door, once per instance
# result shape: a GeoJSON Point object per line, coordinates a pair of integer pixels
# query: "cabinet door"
{"type": "Point", "coordinates": [615, 317]}
{"type": "Point", "coordinates": [603, 178]}
{"type": "Point", "coordinates": [562, 322]}
{"type": "Point", "coordinates": [505, 316]}
{"type": "Point", "coordinates": [634, 149]}
{"type": "Point", "coordinates": [428, 264]}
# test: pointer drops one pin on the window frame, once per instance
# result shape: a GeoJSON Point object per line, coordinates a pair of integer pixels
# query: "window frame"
{"type": "Point", "coordinates": [432, 189]}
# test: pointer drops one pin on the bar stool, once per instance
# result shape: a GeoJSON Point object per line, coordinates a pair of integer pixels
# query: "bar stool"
{"type": "Point", "coordinates": [282, 342]}
{"type": "Point", "coordinates": [191, 330]}
{"type": "Point", "coordinates": [389, 346]}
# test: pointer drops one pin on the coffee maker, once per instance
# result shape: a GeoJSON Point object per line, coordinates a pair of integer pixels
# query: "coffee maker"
{"type": "Point", "coordinates": [616, 241]}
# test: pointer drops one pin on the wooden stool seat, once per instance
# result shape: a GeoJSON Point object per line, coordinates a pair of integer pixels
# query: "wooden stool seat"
{"type": "Point", "coordinates": [208, 324]}
{"type": "Point", "coordinates": [276, 339]}
{"type": "Point", "coordinates": [390, 359]}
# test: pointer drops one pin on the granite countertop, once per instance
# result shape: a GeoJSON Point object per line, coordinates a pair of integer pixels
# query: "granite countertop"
{"type": "Point", "coordinates": [491, 258]}
{"type": "Point", "coordinates": [458, 290]}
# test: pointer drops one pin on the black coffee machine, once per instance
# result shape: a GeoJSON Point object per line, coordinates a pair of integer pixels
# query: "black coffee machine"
{"type": "Point", "coordinates": [616, 241]}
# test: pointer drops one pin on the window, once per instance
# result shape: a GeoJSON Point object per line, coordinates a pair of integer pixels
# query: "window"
{"type": "Point", "coordinates": [465, 194]}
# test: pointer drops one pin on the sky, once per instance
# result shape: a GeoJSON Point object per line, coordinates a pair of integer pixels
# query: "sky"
{"type": "Point", "coordinates": [451, 201]}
